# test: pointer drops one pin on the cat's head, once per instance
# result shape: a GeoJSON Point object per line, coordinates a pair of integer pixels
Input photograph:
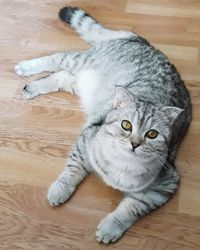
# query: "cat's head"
{"type": "Point", "coordinates": [143, 128]}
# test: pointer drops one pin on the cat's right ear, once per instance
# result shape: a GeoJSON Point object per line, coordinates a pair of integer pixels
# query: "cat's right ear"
{"type": "Point", "coordinates": [122, 98]}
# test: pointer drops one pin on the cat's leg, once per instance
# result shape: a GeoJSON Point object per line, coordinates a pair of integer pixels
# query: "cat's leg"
{"type": "Point", "coordinates": [37, 65]}
{"type": "Point", "coordinates": [134, 207]}
{"type": "Point", "coordinates": [76, 169]}
{"type": "Point", "coordinates": [88, 28]}
{"type": "Point", "coordinates": [61, 80]}
{"type": "Point", "coordinates": [52, 63]}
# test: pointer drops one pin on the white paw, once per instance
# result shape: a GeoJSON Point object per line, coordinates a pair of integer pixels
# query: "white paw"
{"type": "Point", "coordinates": [30, 91]}
{"type": "Point", "coordinates": [58, 193]}
{"type": "Point", "coordinates": [108, 231]}
{"type": "Point", "coordinates": [18, 70]}
{"type": "Point", "coordinates": [25, 68]}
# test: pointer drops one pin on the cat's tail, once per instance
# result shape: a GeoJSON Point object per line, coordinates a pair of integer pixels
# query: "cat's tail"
{"type": "Point", "coordinates": [88, 28]}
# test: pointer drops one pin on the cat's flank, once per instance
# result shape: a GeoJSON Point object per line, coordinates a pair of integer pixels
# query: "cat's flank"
{"type": "Point", "coordinates": [138, 110]}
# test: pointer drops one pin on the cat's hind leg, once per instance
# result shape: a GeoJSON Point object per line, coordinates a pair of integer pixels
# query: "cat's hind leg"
{"type": "Point", "coordinates": [59, 81]}
{"type": "Point", "coordinates": [66, 65]}
{"type": "Point", "coordinates": [70, 61]}
{"type": "Point", "coordinates": [37, 65]}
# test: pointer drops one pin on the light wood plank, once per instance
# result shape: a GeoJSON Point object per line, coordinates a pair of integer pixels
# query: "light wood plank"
{"type": "Point", "coordinates": [165, 8]}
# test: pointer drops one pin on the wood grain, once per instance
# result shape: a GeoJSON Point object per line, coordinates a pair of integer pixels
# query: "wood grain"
{"type": "Point", "coordinates": [36, 136]}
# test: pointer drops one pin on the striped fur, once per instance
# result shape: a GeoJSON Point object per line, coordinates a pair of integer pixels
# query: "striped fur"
{"type": "Point", "coordinates": [121, 77]}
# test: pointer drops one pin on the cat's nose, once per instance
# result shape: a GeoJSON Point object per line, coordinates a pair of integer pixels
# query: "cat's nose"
{"type": "Point", "coordinates": [135, 145]}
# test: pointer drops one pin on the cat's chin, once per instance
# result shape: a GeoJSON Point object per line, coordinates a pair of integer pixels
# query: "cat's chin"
{"type": "Point", "coordinates": [136, 152]}
{"type": "Point", "coordinates": [139, 154]}
{"type": "Point", "coordinates": [142, 155]}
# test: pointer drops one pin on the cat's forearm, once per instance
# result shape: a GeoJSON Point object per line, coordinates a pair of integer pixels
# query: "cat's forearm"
{"type": "Point", "coordinates": [128, 212]}
{"type": "Point", "coordinates": [75, 170]}
{"type": "Point", "coordinates": [135, 205]}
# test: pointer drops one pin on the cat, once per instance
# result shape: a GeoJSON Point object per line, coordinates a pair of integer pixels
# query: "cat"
{"type": "Point", "coordinates": [138, 110]}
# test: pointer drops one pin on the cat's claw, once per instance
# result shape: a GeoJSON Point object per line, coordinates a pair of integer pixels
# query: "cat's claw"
{"type": "Point", "coordinates": [107, 231]}
{"type": "Point", "coordinates": [57, 193]}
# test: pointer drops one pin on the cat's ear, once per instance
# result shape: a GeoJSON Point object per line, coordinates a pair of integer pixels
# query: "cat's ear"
{"type": "Point", "coordinates": [171, 113]}
{"type": "Point", "coordinates": [122, 97]}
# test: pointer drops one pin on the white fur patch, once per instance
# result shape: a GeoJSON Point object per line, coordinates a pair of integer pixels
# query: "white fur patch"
{"type": "Point", "coordinates": [88, 85]}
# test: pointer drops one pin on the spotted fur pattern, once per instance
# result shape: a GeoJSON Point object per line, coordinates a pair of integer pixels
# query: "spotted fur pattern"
{"type": "Point", "coordinates": [121, 77]}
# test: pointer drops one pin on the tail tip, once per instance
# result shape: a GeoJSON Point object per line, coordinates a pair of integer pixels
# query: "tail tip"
{"type": "Point", "coordinates": [66, 13]}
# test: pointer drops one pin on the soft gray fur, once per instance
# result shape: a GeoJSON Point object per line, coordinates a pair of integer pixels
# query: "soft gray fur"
{"type": "Point", "coordinates": [121, 77]}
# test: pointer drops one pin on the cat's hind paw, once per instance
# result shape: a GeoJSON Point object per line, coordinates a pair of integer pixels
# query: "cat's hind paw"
{"type": "Point", "coordinates": [27, 68]}
{"type": "Point", "coordinates": [23, 68]}
{"type": "Point", "coordinates": [29, 91]}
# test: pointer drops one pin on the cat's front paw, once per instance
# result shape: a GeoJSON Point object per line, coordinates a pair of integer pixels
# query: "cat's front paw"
{"type": "Point", "coordinates": [58, 193]}
{"type": "Point", "coordinates": [108, 231]}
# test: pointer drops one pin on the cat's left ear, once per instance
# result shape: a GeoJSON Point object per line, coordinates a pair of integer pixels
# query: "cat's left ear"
{"type": "Point", "coordinates": [122, 98]}
{"type": "Point", "coordinates": [171, 113]}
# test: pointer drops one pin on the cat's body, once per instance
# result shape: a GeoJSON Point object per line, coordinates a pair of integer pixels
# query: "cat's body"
{"type": "Point", "coordinates": [122, 81]}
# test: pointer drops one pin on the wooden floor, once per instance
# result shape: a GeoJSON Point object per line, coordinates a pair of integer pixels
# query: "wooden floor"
{"type": "Point", "coordinates": [35, 136]}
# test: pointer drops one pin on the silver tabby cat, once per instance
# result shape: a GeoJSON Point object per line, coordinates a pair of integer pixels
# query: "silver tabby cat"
{"type": "Point", "coordinates": [138, 111]}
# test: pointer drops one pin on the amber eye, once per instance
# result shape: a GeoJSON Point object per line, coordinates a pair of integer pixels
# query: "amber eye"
{"type": "Point", "coordinates": [152, 134]}
{"type": "Point", "coordinates": [126, 125]}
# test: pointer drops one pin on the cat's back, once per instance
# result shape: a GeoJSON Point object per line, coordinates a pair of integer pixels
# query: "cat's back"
{"type": "Point", "coordinates": [136, 65]}
{"type": "Point", "coordinates": [141, 68]}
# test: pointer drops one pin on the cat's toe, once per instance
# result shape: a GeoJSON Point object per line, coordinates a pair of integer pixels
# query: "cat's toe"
{"type": "Point", "coordinates": [103, 237]}
{"type": "Point", "coordinates": [57, 193]}
{"type": "Point", "coordinates": [18, 70]}
{"type": "Point", "coordinates": [107, 232]}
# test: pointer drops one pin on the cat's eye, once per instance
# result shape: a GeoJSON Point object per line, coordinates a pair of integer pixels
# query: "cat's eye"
{"type": "Point", "coordinates": [152, 134]}
{"type": "Point", "coordinates": [126, 125]}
